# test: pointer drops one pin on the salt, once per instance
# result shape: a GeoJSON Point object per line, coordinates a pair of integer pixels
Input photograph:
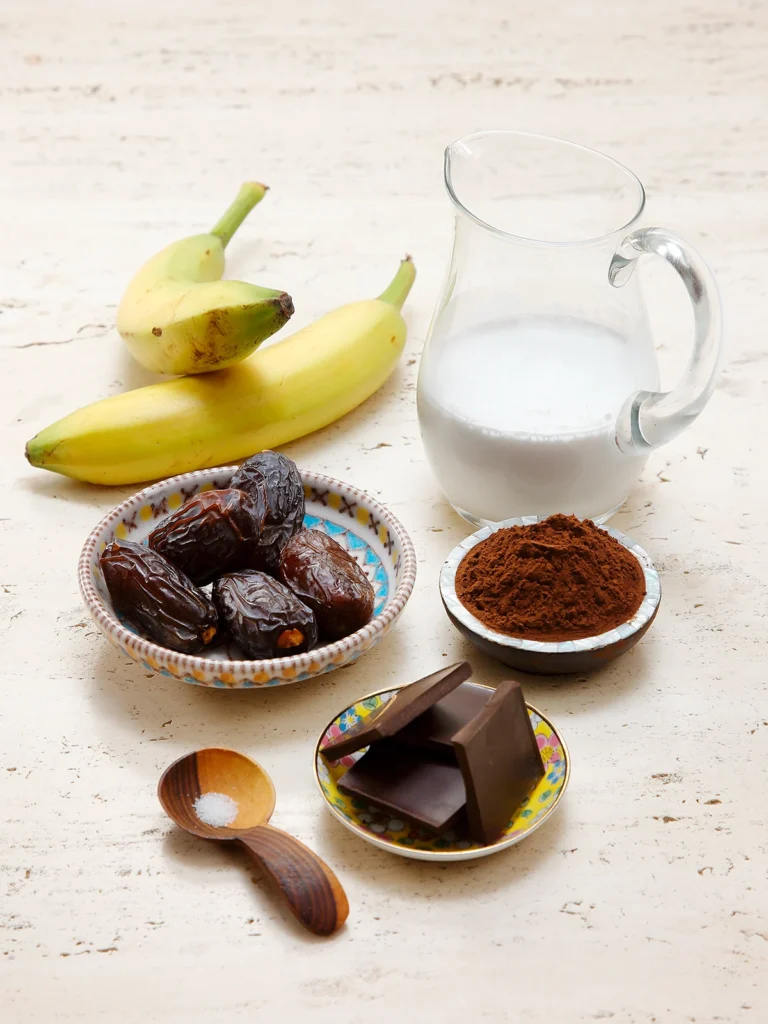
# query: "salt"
{"type": "Point", "coordinates": [216, 809]}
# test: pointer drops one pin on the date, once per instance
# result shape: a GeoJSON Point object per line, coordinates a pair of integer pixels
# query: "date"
{"type": "Point", "coordinates": [327, 579]}
{"type": "Point", "coordinates": [274, 483]}
{"type": "Point", "coordinates": [213, 533]}
{"type": "Point", "coordinates": [266, 619]}
{"type": "Point", "coordinates": [157, 598]}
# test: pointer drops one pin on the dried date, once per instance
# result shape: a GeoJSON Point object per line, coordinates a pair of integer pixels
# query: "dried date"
{"type": "Point", "coordinates": [274, 482]}
{"type": "Point", "coordinates": [328, 579]}
{"type": "Point", "coordinates": [157, 598]}
{"type": "Point", "coordinates": [213, 533]}
{"type": "Point", "coordinates": [266, 619]}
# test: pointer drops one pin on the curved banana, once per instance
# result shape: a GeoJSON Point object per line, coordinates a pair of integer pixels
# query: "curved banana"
{"type": "Point", "coordinates": [177, 316]}
{"type": "Point", "coordinates": [276, 395]}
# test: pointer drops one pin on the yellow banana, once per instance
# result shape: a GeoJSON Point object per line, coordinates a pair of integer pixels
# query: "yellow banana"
{"type": "Point", "coordinates": [177, 316]}
{"type": "Point", "coordinates": [280, 393]}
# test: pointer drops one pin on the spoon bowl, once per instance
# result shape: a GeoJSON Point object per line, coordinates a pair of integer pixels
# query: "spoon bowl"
{"type": "Point", "coordinates": [221, 771]}
{"type": "Point", "coordinates": [243, 788]}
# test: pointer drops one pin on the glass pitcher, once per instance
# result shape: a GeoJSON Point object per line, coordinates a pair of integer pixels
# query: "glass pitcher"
{"type": "Point", "coordinates": [538, 386]}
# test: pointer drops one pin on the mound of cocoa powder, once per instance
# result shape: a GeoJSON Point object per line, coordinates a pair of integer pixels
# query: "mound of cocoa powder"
{"type": "Point", "coordinates": [560, 579]}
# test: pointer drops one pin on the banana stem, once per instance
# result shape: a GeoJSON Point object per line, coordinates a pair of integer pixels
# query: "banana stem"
{"type": "Point", "coordinates": [398, 290]}
{"type": "Point", "coordinates": [251, 193]}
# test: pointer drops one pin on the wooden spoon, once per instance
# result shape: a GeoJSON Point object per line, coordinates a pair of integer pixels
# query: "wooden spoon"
{"type": "Point", "coordinates": [311, 888]}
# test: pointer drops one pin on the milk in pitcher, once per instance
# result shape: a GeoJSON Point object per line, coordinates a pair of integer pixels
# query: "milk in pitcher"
{"type": "Point", "coordinates": [518, 416]}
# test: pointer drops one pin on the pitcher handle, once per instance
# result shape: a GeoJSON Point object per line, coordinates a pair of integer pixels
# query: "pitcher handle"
{"type": "Point", "coordinates": [651, 418]}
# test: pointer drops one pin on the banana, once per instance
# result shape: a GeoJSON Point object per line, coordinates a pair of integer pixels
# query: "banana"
{"type": "Point", "coordinates": [282, 392]}
{"type": "Point", "coordinates": [177, 316]}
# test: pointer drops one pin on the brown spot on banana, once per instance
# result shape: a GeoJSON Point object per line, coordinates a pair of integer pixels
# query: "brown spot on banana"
{"type": "Point", "coordinates": [285, 304]}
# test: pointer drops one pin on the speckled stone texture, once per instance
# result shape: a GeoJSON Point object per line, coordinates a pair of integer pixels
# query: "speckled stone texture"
{"type": "Point", "coordinates": [125, 126]}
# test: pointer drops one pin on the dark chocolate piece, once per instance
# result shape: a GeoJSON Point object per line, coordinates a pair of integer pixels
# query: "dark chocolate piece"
{"type": "Point", "coordinates": [407, 783]}
{"type": "Point", "coordinates": [407, 704]}
{"type": "Point", "coordinates": [500, 761]}
{"type": "Point", "coordinates": [436, 727]}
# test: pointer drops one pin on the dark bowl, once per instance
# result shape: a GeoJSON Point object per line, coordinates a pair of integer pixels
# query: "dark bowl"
{"type": "Point", "coordinates": [549, 657]}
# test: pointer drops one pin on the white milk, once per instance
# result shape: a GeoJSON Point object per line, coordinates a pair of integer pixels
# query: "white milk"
{"type": "Point", "coordinates": [518, 416]}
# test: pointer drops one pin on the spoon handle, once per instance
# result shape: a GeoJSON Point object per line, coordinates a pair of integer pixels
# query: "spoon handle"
{"type": "Point", "coordinates": [313, 892]}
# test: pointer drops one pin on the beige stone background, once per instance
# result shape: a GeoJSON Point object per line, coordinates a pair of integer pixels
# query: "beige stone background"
{"type": "Point", "coordinates": [125, 125]}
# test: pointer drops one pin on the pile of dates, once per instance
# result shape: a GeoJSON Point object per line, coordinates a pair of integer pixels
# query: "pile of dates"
{"type": "Point", "coordinates": [278, 589]}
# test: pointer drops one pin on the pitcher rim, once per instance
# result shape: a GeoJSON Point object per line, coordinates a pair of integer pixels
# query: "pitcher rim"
{"type": "Point", "coordinates": [593, 240]}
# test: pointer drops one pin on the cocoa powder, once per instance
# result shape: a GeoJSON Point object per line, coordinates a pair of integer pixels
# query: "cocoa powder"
{"type": "Point", "coordinates": [560, 579]}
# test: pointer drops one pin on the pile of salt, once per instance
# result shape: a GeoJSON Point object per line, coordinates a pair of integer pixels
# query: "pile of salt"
{"type": "Point", "coordinates": [216, 809]}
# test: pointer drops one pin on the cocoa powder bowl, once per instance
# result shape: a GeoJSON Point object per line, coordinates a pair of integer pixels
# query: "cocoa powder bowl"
{"type": "Point", "coordinates": [549, 657]}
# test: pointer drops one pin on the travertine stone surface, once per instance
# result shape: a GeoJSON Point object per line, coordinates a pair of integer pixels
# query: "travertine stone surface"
{"type": "Point", "coordinates": [127, 125]}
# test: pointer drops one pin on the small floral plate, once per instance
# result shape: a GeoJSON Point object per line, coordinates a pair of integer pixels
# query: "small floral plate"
{"type": "Point", "coordinates": [371, 534]}
{"type": "Point", "coordinates": [396, 836]}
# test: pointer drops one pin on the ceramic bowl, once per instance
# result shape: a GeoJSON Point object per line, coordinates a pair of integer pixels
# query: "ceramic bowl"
{"type": "Point", "coordinates": [548, 657]}
{"type": "Point", "coordinates": [368, 531]}
{"type": "Point", "coordinates": [388, 833]}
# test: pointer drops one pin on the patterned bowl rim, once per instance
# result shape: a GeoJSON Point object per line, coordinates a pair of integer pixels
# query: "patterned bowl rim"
{"type": "Point", "coordinates": [468, 854]}
{"type": "Point", "coordinates": [188, 663]}
{"type": "Point", "coordinates": [639, 620]}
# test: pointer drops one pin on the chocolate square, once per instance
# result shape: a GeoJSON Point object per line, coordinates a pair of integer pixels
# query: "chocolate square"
{"type": "Point", "coordinates": [500, 761]}
{"type": "Point", "coordinates": [407, 704]}
{"type": "Point", "coordinates": [435, 728]}
{"type": "Point", "coordinates": [407, 783]}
